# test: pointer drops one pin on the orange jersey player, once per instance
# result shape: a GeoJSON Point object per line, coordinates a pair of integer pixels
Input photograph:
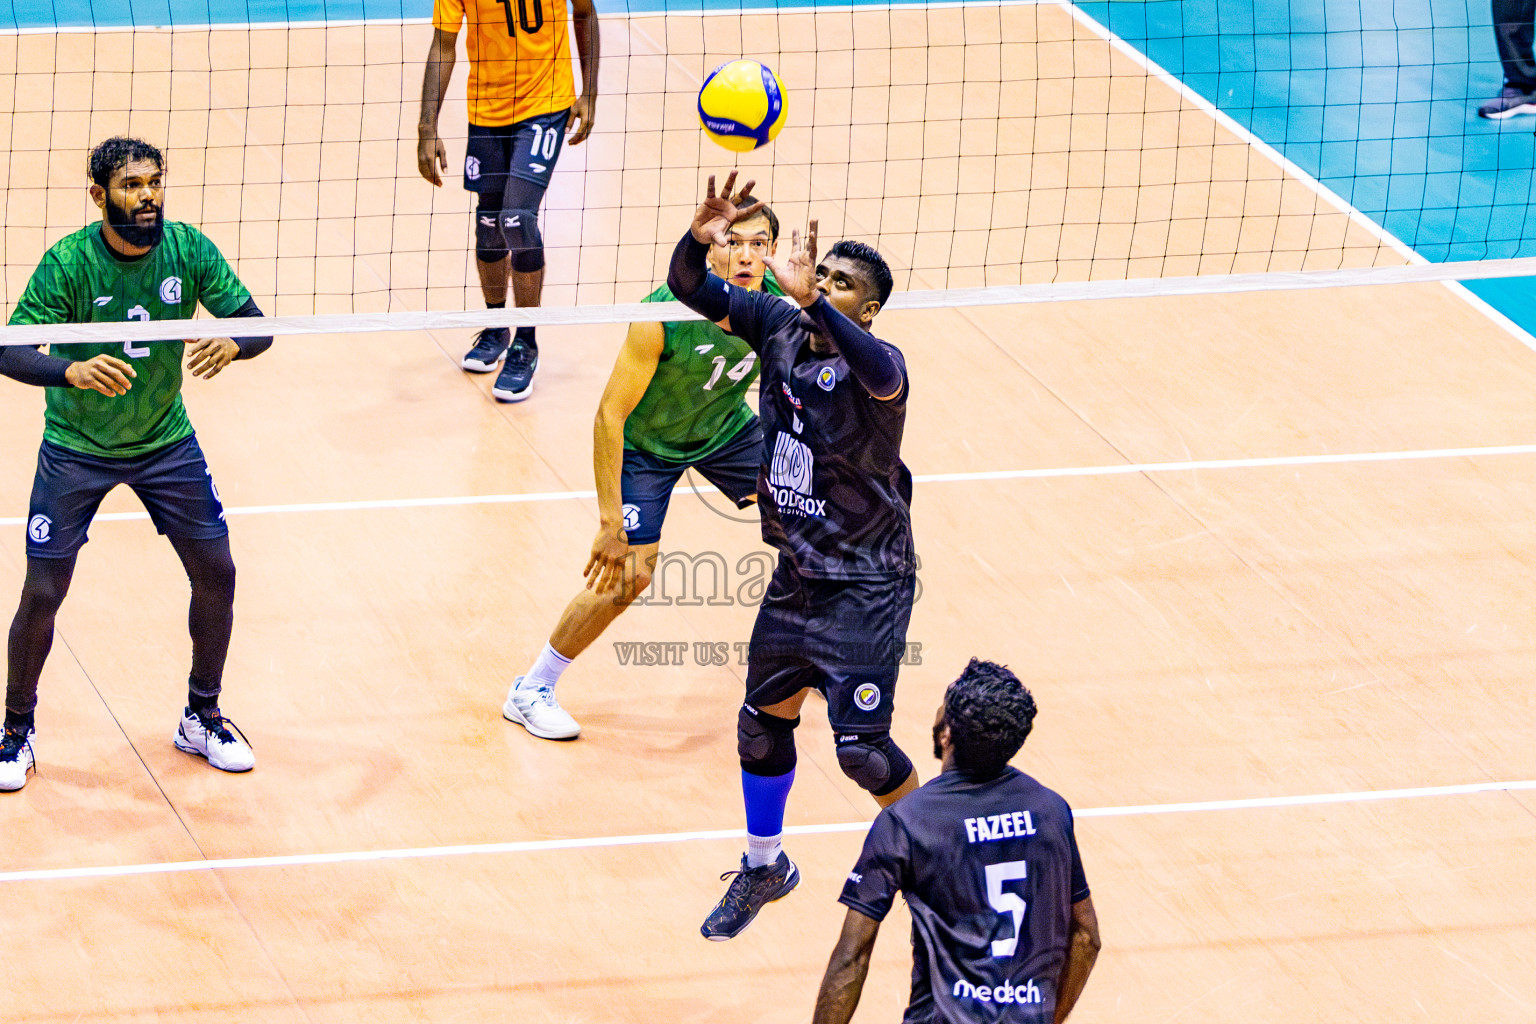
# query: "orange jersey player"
{"type": "Point", "coordinates": [522, 100]}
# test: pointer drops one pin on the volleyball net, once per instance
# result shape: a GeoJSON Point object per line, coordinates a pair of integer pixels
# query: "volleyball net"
{"type": "Point", "coordinates": [993, 152]}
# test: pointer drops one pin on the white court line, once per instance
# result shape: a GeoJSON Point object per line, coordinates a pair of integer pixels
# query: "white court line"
{"type": "Point", "coordinates": [929, 478]}
{"type": "Point", "coordinates": [1403, 249]}
{"type": "Point", "coordinates": [608, 842]}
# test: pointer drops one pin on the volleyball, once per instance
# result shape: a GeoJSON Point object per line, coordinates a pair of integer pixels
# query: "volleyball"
{"type": "Point", "coordinates": [742, 105]}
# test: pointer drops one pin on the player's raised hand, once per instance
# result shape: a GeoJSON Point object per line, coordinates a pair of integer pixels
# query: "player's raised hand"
{"type": "Point", "coordinates": [208, 356]}
{"type": "Point", "coordinates": [431, 157]}
{"type": "Point", "coordinates": [797, 274]}
{"type": "Point", "coordinates": [106, 374]}
{"type": "Point", "coordinates": [605, 567]}
{"type": "Point", "coordinates": [713, 219]}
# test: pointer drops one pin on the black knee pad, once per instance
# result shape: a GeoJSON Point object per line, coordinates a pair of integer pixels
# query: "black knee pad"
{"type": "Point", "coordinates": [765, 742]}
{"type": "Point", "coordinates": [520, 229]}
{"type": "Point", "coordinates": [873, 761]}
{"type": "Point", "coordinates": [490, 245]}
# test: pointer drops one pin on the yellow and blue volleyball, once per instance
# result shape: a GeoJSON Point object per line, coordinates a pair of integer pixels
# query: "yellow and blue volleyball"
{"type": "Point", "coordinates": [742, 105]}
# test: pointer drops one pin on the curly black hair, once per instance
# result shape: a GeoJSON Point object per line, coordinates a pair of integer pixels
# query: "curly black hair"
{"type": "Point", "coordinates": [873, 263]}
{"type": "Point", "coordinates": [989, 714]}
{"type": "Point", "coordinates": [116, 152]}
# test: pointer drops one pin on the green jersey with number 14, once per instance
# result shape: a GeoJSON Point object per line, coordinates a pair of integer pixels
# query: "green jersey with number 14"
{"type": "Point", "coordinates": [80, 281]}
{"type": "Point", "coordinates": [697, 399]}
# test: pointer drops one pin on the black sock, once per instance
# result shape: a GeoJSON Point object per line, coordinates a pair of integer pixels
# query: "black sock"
{"type": "Point", "coordinates": [17, 721]}
{"type": "Point", "coordinates": [202, 704]}
{"type": "Point", "coordinates": [525, 335]}
{"type": "Point", "coordinates": [496, 305]}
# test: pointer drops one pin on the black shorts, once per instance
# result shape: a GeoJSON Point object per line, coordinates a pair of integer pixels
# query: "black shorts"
{"type": "Point", "coordinates": [646, 481]}
{"type": "Point", "coordinates": [527, 150]}
{"type": "Point", "coordinates": [842, 637]}
{"type": "Point", "coordinates": [174, 484]}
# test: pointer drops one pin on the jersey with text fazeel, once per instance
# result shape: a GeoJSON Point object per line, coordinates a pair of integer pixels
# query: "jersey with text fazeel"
{"type": "Point", "coordinates": [990, 871]}
{"type": "Point", "coordinates": [80, 281]}
{"type": "Point", "coordinates": [696, 401]}
{"type": "Point", "coordinates": [834, 495]}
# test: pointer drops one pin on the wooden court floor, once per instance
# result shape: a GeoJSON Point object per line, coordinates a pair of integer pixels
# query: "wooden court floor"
{"type": "Point", "coordinates": [1245, 632]}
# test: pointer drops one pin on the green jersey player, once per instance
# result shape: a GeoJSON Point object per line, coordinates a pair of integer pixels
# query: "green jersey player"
{"type": "Point", "coordinates": [676, 399]}
{"type": "Point", "coordinates": [115, 416]}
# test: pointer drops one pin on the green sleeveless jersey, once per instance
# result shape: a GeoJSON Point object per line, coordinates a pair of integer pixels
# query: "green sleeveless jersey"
{"type": "Point", "coordinates": [697, 399]}
{"type": "Point", "coordinates": [80, 281]}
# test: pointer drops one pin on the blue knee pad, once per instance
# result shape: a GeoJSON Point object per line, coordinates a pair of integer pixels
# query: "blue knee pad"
{"type": "Point", "coordinates": [873, 761]}
{"type": "Point", "coordinates": [490, 245]}
{"type": "Point", "coordinates": [520, 228]}
{"type": "Point", "coordinates": [765, 742]}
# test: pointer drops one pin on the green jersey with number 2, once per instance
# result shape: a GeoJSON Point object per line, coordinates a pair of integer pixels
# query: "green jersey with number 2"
{"type": "Point", "coordinates": [697, 399]}
{"type": "Point", "coordinates": [80, 281]}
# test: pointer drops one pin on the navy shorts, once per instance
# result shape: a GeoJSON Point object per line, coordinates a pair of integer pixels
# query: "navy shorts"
{"type": "Point", "coordinates": [174, 483]}
{"type": "Point", "coordinates": [527, 150]}
{"type": "Point", "coordinates": [646, 481]}
{"type": "Point", "coordinates": [842, 637]}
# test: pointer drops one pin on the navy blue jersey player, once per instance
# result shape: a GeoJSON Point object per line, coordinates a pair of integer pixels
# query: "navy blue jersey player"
{"type": "Point", "coordinates": [1003, 928]}
{"type": "Point", "coordinates": [834, 498]}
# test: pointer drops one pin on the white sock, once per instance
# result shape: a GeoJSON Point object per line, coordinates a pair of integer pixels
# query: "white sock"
{"type": "Point", "coordinates": [546, 670]}
{"type": "Point", "coordinates": [763, 850]}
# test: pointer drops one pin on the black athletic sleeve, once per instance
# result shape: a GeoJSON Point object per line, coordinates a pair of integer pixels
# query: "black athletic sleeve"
{"type": "Point", "coordinates": [250, 348]}
{"type": "Point", "coordinates": [882, 868]}
{"type": "Point", "coordinates": [1079, 879]}
{"type": "Point", "coordinates": [695, 287]}
{"type": "Point", "coordinates": [871, 363]}
{"type": "Point", "coordinates": [29, 366]}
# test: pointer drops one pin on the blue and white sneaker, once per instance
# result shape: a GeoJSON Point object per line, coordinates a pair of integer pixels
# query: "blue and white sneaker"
{"type": "Point", "coordinates": [490, 347]}
{"type": "Point", "coordinates": [535, 709]}
{"type": "Point", "coordinates": [515, 382]}
{"type": "Point", "coordinates": [1508, 103]}
{"type": "Point", "coordinates": [216, 739]}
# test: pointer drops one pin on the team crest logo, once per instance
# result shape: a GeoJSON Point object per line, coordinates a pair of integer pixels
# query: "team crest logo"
{"type": "Point", "coordinates": [40, 529]}
{"type": "Point", "coordinates": [170, 291]}
{"type": "Point", "coordinates": [867, 697]}
{"type": "Point", "coordinates": [631, 517]}
{"type": "Point", "coordinates": [472, 168]}
{"type": "Point", "coordinates": [826, 379]}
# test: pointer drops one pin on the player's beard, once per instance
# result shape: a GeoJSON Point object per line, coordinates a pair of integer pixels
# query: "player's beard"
{"type": "Point", "coordinates": [143, 236]}
{"type": "Point", "coordinates": [938, 748]}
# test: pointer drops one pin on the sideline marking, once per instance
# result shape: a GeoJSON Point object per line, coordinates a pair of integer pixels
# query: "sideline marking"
{"type": "Point", "coordinates": [929, 478]}
{"type": "Point", "coordinates": [604, 842]}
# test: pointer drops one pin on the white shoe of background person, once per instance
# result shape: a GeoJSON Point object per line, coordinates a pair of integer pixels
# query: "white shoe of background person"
{"type": "Point", "coordinates": [535, 709]}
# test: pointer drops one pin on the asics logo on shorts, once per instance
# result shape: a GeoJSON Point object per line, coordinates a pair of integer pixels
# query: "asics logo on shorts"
{"type": "Point", "coordinates": [40, 529]}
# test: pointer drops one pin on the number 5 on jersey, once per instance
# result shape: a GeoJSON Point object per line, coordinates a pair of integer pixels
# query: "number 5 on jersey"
{"type": "Point", "coordinates": [1007, 902]}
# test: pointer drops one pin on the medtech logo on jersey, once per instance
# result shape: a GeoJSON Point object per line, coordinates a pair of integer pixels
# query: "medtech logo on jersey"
{"type": "Point", "coordinates": [789, 478]}
{"type": "Point", "coordinates": [40, 529]}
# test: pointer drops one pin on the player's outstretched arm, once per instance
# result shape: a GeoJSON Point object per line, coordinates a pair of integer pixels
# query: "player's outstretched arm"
{"type": "Point", "coordinates": [1082, 950]}
{"type": "Point", "coordinates": [588, 50]}
{"type": "Point", "coordinates": [632, 373]}
{"type": "Point", "coordinates": [431, 154]}
{"type": "Point", "coordinates": [844, 981]}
